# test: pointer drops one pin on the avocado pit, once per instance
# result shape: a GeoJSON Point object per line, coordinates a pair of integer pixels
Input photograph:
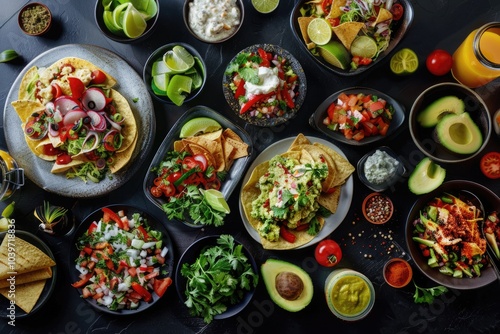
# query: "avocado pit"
{"type": "Point", "coordinates": [289, 285]}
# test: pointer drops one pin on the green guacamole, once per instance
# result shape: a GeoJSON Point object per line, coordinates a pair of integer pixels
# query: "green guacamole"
{"type": "Point", "coordinates": [350, 295]}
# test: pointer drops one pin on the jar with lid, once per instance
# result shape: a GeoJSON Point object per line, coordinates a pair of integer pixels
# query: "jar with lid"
{"type": "Point", "coordinates": [11, 175]}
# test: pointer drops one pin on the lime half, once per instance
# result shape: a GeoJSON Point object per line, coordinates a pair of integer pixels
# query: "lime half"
{"type": "Point", "coordinates": [133, 22]}
{"type": "Point", "coordinates": [403, 62]}
{"type": "Point", "coordinates": [364, 46]}
{"type": "Point", "coordinates": [319, 31]}
{"type": "Point", "coordinates": [335, 53]}
{"type": "Point", "coordinates": [199, 125]}
{"type": "Point", "coordinates": [216, 200]}
{"type": "Point", "coordinates": [265, 6]}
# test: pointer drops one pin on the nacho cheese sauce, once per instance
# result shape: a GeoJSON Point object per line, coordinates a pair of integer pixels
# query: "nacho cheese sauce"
{"type": "Point", "coordinates": [213, 20]}
{"type": "Point", "coordinates": [350, 295]}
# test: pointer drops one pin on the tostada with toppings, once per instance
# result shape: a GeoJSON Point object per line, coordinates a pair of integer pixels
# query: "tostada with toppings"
{"type": "Point", "coordinates": [70, 114]}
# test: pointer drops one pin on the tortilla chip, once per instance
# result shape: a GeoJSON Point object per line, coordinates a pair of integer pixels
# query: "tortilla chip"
{"type": "Point", "coordinates": [229, 152]}
{"type": "Point", "coordinates": [211, 135]}
{"type": "Point", "coordinates": [32, 276]}
{"type": "Point", "coordinates": [335, 10]}
{"type": "Point", "coordinates": [27, 85]}
{"type": "Point", "coordinates": [303, 23]}
{"type": "Point", "coordinates": [330, 201]}
{"type": "Point", "coordinates": [26, 294]}
{"type": "Point", "coordinates": [383, 15]}
{"type": "Point", "coordinates": [24, 110]}
{"type": "Point", "coordinates": [123, 157]}
{"type": "Point", "coordinates": [57, 168]}
{"type": "Point", "coordinates": [347, 32]}
{"type": "Point", "coordinates": [321, 156]}
{"type": "Point", "coordinates": [129, 125]}
{"type": "Point", "coordinates": [241, 148]}
{"type": "Point", "coordinates": [299, 140]}
{"type": "Point", "coordinates": [342, 165]}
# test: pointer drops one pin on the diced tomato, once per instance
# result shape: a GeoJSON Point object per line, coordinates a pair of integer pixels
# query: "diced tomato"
{"type": "Point", "coordinates": [145, 294]}
{"type": "Point", "coordinates": [63, 159]}
{"type": "Point", "coordinates": [161, 285]}
{"type": "Point", "coordinates": [111, 215]}
{"type": "Point", "coordinates": [144, 233]}
{"type": "Point", "coordinates": [83, 280]}
{"type": "Point", "coordinates": [376, 106]}
{"type": "Point", "coordinates": [359, 135]}
{"type": "Point", "coordinates": [98, 77]}
{"type": "Point", "coordinates": [365, 61]}
{"type": "Point", "coordinates": [264, 56]}
{"type": "Point", "coordinates": [397, 11]}
{"type": "Point", "coordinates": [132, 271]}
{"type": "Point", "coordinates": [288, 99]}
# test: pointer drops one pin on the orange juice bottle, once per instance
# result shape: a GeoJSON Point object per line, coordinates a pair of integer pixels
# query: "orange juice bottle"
{"type": "Point", "coordinates": [477, 60]}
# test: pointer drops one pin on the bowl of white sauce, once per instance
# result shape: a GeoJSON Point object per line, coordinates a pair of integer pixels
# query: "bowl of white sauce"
{"type": "Point", "coordinates": [213, 21]}
{"type": "Point", "coordinates": [380, 169]}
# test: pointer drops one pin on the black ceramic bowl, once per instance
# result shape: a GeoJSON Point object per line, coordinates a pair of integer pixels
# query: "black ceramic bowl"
{"type": "Point", "coordinates": [215, 39]}
{"type": "Point", "coordinates": [398, 175]}
{"type": "Point", "coordinates": [121, 37]}
{"type": "Point", "coordinates": [460, 188]}
{"type": "Point", "coordinates": [192, 253]}
{"type": "Point", "coordinates": [158, 54]}
{"type": "Point", "coordinates": [316, 119]}
{"type": "Point", "coordinates": [399, 29]}
{"type": "Point", "coordinates": [425, 138]}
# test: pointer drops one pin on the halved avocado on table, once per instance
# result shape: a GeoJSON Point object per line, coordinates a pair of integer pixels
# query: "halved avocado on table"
{"type": "Point", "coordinates": [288, 285]}
{"type": "Point", "coordinates": [459, 133]}
{"type": "Point", "coordinates": [435, 111]}
{"type": "Point", "coordinates": [426, 177]}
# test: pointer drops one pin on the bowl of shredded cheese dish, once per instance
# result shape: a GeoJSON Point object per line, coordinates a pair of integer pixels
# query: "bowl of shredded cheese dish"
{"type": "Point", "coordinates": [213, 21]}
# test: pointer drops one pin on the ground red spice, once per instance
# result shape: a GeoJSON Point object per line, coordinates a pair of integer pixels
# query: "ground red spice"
{"type": "Point", "coordinates": [397, 273]}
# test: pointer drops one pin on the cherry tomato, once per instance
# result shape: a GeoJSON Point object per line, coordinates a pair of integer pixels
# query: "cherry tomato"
{"type": "Point", "coordinates": [98, 77]}
{"type": "Point", "coordinates": [156, 191]}
{"type": "Point", "coordinates": [490, 165]}
{"type": "Point", "coordinates": [397, 11]}
{"type": "Point", "coordinates": [328, 253]}
{"type": "Point", "coordinates": [439, 62]}
{"type": "Point", "coordinates": [63, 159]}
{"type": "Point", "coordinates": [48, 149]}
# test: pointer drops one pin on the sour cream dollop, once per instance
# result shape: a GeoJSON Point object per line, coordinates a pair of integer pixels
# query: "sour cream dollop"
{"type": "Point", "coordinates": [268, 82]}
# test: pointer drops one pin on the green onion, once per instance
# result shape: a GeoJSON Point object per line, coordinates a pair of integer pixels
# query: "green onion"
{"type": "Point", "coordinates": [8, 55]}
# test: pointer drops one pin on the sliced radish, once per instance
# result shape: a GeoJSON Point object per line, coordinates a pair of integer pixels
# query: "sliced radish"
{"type": "Point", "coordinates": [50, 108]}
{"type": "Point", "coordinates": [53, 130]}
{"type": "Point", "coordinates": [97, 121]}
{"type": "Point", "coordinates": [114, 125]}
{"type": "Point", "coordinates": [73, 116]}
{"type": "Point", "coordinates": [94, 99]}
{"type": "Point", "coordinates": [91, 142]}
{"type": "Point", "coordinates": [65, 104]}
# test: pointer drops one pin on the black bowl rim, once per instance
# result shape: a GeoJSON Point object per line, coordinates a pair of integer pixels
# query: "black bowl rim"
{"type": "Point", "coordinates": [465, 91]}
{"type": "Point", "coordinates": [489, 200]}
{"type": "Point", "coordinates": [185, 13]}
{"type": "Point", "coordinates": [197, 245]}
{"type": "Point", "coordinates": [151, 25]}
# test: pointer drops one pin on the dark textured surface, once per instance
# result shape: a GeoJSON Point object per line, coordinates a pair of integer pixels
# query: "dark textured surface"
{"type": "Point", "coordinates": [437, 24]}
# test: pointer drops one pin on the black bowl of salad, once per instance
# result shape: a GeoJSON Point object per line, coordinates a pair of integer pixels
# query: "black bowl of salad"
{"type": "Point", "coordinates": [139, 271]}
{"type": "Point", "coordinates": [384, 25]}
{"type": "Point", "coordinates": [264, 85]}
{"type": "Point", "coordinates": [444, 238]}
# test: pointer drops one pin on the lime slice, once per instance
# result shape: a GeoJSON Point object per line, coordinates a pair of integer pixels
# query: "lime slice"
{"type": "Point", "coordinates": [364, 46]}
{"type": "Point", "coordinates": [109, 22]}
{"type": "Point", "coordinates": [403, 62]}
{"type": "Point", "coordinates": [156, 90]}
{"type": "Point", "coordinates": [197, 79]}
{"type": "Point", "coordinates": [159, 67]}
{"type": "Point", "coordinates": [178, 88]}
{"type": "Point", "coordinates": [178, 60]}
{"type": "Point", "coordinates": [9, 210]}
{"type": "Point", "coordinates": [319, 31]}
{"type": "Point", "coordinates": [118, 13]}
{"type": "Point", "coordinates": [199, 125]}
{"type": "Point", "coordinates": [134, 24]}
{"type": "Point", "coordinates": [216, 200]}
{"type": "Point", "coordinates": [161, 81]}
{"type": "Point", "coordinates": [265, 6]}
{"type": "Point", "coordinates": [335, 53]}
{"type": "Point", "coordinates": [184, 54]}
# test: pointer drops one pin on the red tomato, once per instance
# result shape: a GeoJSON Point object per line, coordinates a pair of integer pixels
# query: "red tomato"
{"type": "Point", "coordinates": [328, 253]}
{"type": "Point", "coordinates": [156, 191]}
{"type": "Point", "coordinates": [56, 91]}
{"type": "Point", "coordinates": [77, 87]}
{"type": "Point", "coordinates": [48, 149]}
{"type": "Point", "coordinates": [439, 62]}
{"type": "Point", "coordinates": [161, 285]}
{"type": "Point", "coordinates": [98, 77]}
{"type": "Point", "coordinates": [63, 159]}
{"type": "Point", "coordinates": [490, 165]}
{"type": "Point", "coordinates": [397, 11]}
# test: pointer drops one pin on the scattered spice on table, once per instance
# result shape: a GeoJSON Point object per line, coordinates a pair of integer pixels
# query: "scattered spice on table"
{"type": "Point", "coordinates": [397, 273]}
{"type": "Point", "coordinates": [35, 19]}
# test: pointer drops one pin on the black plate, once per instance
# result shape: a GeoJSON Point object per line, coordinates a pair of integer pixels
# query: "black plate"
{"type": "Point", "coordinates": [49, 284]}
{"type": "Point", "coordinates": [316, 119]}
{"type": "Point", "coordinates": [235, 173]}
{"type": "Point", "coordinates": [192, 253]}
{"type": "Point", "coordinates": [302, 89]}
{"type": "Point", "coordinates": [398, 31]}
{"type": "Point", "coordinates": [153, 223]}
{"type": "Point", "coordinates": [489, 201]}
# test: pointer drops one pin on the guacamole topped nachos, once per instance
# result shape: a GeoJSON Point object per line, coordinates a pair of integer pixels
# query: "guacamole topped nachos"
{"type": "Point", "coordinates": [71, 115]}
{"type": "Point", "coordinates": [287, 198]}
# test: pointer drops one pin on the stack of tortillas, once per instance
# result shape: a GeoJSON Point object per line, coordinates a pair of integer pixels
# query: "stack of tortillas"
{"type": "Point", "coordinates": [24, 270]}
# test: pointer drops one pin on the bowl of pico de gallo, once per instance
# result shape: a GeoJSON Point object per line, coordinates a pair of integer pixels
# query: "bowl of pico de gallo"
{"type": "Point", "coordinates": [264, 85]}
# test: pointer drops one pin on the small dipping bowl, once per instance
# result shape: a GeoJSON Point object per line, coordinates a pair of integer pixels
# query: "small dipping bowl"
{"type": "Point", "coordinates": [377, 208]}
{"type": "Point", "coordinates": [12, 177]}
{"type": "Point", "coordinates": [34, 19]}
{"type": "Point", "coordinates": [397, 272]}
{"type": "Point", "coordinates": [386, 159]}
{"type": "Point", "coordinates": [349, 294]}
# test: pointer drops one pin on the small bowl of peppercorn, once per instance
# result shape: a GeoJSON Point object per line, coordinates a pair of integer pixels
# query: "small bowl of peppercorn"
{"type": "Point", "coordinates": [377, 208]}
{"type": "Point", "coordinates": [35, 19]}
{"type": "Point", "coordinates": [397, 272]}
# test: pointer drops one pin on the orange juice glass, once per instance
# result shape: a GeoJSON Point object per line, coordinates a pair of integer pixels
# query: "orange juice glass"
{"type": "Point", "coordinates": [477, 60]}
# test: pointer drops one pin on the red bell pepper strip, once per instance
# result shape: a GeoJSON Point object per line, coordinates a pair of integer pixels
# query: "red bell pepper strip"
{"type": "Point", "coordinates": [145, 294]}
{"type": "Point", "coordinates": [265, 59]}
{"type": "Point", "coordinates": [83, 280]}
{"type": "Point", "coordinates": [286, 234]}
{"type": "Point", "coordinates": [110, 214]}
{"type": "Point", "coordinates": [161, 285]}
{"type": "Point", "coordinates": [240, 89]}
{"type": "Point", "coordinates": [251, 102]}
{"type": "Point", "coordinates": [288, 98]}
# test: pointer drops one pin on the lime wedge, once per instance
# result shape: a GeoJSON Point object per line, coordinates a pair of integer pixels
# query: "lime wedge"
{"type": "Point", "coordinates": [109, 22]}
{"type": "Point", "coordinates": [335, 53]}
{"type": "Point", "coordinates": [178, 88]}
{"type": "Point", "coordinates": [404, 62]}
{"type": "Point", "coordinates": [184, 55]}
{"type": "Point", "coordinates": [134, 24]}
{"type": "Point", "coordinates": [178, 60]}
{"type": "Point", "coordinates": [118, 13]}
{"type": "Point", "coordinates": [197, 79]}
{"type": "Point", "coordinates": [157, 90]}
{"type": "Point", "coordinates": [159, 67]}
{"type": "Point", "coordinates": [9, 210]}
{"type": "Point", "coordinates": [364, 46]}
{"type": "Point", "coordinates": [319, 31]}
{"type": "Point", "coordinates": [199, 125]}
{"type": "Point", "coordinates": [265, 6]}
{"type": "Point", "coordinates": [161, 81]}
{"type": "Point", "coordinates": [216, 200]}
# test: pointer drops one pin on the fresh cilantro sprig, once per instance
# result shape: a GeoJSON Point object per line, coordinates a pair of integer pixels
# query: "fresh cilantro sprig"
{"type": "Point", "coordinates": [427, 295]}
{"type": "Point", "coordinates": [218, 278]}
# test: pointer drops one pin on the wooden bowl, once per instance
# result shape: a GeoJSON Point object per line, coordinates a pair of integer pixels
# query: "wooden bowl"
{"type": "Point", "coordinates": [404, 277]}
{"type": "Point", "coordinates": [34, 19]}
{"type": "Point", "coordinates": [377, 208]}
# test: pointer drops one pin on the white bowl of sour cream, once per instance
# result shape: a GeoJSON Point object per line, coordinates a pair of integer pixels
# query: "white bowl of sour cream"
{"type": "Point", "coordinates": [213, 21]}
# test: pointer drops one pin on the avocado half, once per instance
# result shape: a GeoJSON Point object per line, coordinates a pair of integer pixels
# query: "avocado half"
{"type": "Point", "coordinates": [459, 133]}
{"type": "Point", "coordinates": [272, 270]}
{"type": "Point", "coordinates": [435, 111]}
{"type": "Point", "coordinates": [426, 177]}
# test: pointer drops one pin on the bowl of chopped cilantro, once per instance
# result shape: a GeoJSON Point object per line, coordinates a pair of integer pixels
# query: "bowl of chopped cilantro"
{"type": "Point", "coordinates": [216, 277]}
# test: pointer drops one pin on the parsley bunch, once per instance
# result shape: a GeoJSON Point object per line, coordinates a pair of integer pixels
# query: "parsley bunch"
{"type": "Point", "coordinates": [426, 295]}
{"type": "Point", "coordinates": [219, 277]}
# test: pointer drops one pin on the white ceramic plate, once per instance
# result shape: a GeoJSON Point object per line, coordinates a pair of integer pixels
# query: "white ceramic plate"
{"type": "Point", "coordinates": [129, 84]}
{"type": "Point", "coordinates": [332, 222]}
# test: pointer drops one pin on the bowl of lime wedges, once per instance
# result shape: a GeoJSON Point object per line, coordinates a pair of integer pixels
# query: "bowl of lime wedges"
{"type": "Point", "coordinates": [175, 73]}
{"type": "Point", "coordinates": [127, 21]}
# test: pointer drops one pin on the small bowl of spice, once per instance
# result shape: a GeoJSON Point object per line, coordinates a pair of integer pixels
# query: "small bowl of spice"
{"type": "Point", "coordinates": [35, 19]}
{"type": "Point", "coordinates": [397, 272]}
{"type": "Point", "coordinates": [377, 208]}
